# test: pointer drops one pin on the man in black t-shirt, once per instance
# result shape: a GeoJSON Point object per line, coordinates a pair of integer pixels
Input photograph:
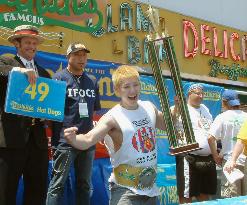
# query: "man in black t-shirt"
{"type": "Point", "coordinates": [82, 99]}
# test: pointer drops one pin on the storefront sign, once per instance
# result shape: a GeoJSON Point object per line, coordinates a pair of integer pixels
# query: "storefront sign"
{"type": "Point", "coordinates": [57, 13]}
{"type": "Point", "coordinates": [233, 72]}
{"type": "Point", "coordinates": [209, 45]}
{"type": "Point", "coordinates": [131, 19]}
{"type": "Point", "coordinates": [86, 16]}
{"type": "Point", "coordinates": [233, 47]}
{"type": "Point", "coordinates": [45, 99]}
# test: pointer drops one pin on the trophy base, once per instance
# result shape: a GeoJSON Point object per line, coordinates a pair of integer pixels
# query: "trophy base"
{"type": "Point", "coordinates": [184, 149]}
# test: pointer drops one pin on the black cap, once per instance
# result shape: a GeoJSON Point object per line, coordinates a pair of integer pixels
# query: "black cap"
{"type": "Point", "coordinates": [74, 47]}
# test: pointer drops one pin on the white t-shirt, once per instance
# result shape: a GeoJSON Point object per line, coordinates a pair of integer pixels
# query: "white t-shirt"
{"type": "Point", "coordinates": [225, 128]}
{"type": "Point", "coordinates": [138, 147]}
{"type": "Point", "coordinates": [201, 120]}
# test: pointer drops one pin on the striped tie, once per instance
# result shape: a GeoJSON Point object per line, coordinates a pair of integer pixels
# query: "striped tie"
{"type": "Point", "coordinates": [30, 65]}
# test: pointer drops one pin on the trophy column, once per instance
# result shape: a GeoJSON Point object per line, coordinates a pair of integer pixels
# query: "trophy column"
{"type": "Point", "coordinates": [180, 142]}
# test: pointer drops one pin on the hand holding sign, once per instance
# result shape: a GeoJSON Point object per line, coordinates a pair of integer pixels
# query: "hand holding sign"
{"type": "Point", "coordinates": [31, 74]}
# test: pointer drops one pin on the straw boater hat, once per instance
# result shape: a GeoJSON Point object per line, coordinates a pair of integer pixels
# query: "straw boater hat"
{"type": "Point", "coordinates": [25, 31]}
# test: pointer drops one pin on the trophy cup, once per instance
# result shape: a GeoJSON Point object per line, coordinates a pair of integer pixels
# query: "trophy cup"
{"type": "Point", "coordinates": [179, 142]}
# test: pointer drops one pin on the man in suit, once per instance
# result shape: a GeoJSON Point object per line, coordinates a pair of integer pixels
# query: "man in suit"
{"type": "Point", "coordinates": [23, 143]}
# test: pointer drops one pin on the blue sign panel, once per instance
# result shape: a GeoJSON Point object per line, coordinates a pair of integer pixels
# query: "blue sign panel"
{"type": "Point", "coordinates": [44, 99]}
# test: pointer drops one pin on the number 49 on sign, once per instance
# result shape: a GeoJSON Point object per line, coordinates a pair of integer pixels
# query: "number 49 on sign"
{"type": "Point", "coordinates": [42, 88]}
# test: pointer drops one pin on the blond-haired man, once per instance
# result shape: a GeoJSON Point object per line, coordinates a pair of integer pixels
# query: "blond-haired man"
{"type": "Point", "coordinates": [130, 127]}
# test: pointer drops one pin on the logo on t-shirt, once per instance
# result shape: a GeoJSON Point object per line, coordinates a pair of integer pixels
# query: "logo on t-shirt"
{"type": "Point", "coordinates": [144, 139]}
{"type": "Point", "coordinates": [204, 123]}
{"type": "Point", "coordinates": [82, 93]}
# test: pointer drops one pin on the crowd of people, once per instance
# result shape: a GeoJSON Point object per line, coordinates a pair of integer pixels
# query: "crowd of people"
{"type": "Point", "coordinates": [128, 131]}
{"type": "Point", "coordinates": [196, 171]}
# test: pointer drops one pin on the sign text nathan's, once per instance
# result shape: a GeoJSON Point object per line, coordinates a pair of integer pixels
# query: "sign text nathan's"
{"type": "Point", "coordinates": [51, 12]}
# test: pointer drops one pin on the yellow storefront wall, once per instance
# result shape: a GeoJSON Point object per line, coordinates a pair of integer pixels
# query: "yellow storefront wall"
{"type": "Point", "coordinates": [102, 48]}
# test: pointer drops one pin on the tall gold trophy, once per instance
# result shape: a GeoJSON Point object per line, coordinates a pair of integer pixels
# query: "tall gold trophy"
{"type": "Point", "coordinates": [180, 142]}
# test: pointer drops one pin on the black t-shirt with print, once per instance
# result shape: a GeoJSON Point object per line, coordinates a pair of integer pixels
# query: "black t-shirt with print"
{"type": "Point", "coordinates": [80, 89]}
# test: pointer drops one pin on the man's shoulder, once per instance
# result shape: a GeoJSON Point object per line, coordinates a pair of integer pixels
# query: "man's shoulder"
{"type": "Point", "coordinates": [90, 77]}
{"type": "Point", "coordinates": [9, 60]}
{"type": "Point", "coordinates": [146, 103]}
{"type": "Point", "coordinates": [227, 112]}
{"type": "Point", "coordinates": [117, 106]}
{"type": "Point", "coordinates": [244, 113]}
{"type": "Point", "coordinates": [7, 57]}
{"type": "Point", "coordinates": [110, 119]}
{"type": "Point", "coordinates": [42, 71]}
{"type": "Point", "coordinates": [221, 118]}
{"type": "Point", "coordinates": [113, 110]}
{"type": "Point", "coordinates": [205, 108]}
{"type": "Point", "coordinates": [61, 74]}
{"type": "Point", "coordinates": [231, 113]}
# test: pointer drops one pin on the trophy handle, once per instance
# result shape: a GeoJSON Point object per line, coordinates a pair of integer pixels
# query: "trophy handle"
{"type": "Point", "coordinates": [189, 143]}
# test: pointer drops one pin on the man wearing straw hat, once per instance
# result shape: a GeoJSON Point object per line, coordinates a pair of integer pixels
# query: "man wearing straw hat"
{"type": "Point", "coordinates": [23, 143]}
